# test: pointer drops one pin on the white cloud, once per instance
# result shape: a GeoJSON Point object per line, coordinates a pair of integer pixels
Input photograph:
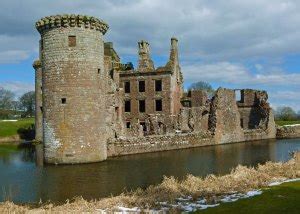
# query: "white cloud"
{"type": "Point", "coordinates": [237, 74]}
{"type": "Point", "coordinates": [19, 88]}
{"type": "Point", "coordinates": [211, 30]}
{"type": "Point", "coordinates": [13, 56]}
{"type": "Point", "coordinates": [14, 49]}
{"type": "Point", "coordinates": [222, 71]}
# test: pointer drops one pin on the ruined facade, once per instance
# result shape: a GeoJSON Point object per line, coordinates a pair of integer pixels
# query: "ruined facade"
{"type": "Point", "coordinates": [151, 96]}
{"type": "Point", "coordinates": [91, 106]}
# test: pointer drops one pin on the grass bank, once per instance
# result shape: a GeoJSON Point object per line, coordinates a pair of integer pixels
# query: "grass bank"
{"type": "Point", "coordinates": [278, 199]}
{"type": "Point", "coordinates": [9, 128]}
{"type": "Point", "coordinates": [241, 179]}
{"type": "Point", "coordinates": [284, 122]}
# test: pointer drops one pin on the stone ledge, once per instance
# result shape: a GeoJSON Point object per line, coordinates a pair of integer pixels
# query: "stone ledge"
{"type": "Point", "coordinates": [37, 64]}
{"type": "Point", "coordinates": [71, 20]}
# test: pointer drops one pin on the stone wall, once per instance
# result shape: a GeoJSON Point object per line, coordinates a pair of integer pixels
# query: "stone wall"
{"type": "Point", "coordinates": [194, 119]}
{"type": "Point", "coordinates": [150, 95]}
{"type": "Point", "coordinates": [157, 143]}
{"type": "Point", "coordinates": [254, 109]}
{"type": "Point", "coordinates": [224, 119]}
{"type": "Point", "coordinates": [288, 131]}
{"type": "Point", "coordinates": [198, 98]}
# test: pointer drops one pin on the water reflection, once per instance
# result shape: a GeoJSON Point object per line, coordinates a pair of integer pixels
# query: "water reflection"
{"type": "Point", "coordinates": [58, 183]}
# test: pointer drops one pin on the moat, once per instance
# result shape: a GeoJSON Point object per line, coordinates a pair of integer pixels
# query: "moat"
{"type": "Point", "coordinates": [22, 181]}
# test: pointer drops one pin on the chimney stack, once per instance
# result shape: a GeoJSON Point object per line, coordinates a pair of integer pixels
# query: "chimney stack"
{"type": "Point", "coordinates": [145, 62]}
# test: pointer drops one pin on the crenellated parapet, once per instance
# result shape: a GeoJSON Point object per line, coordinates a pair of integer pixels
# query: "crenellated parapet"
{"type": "Point", "coordinates": [71, 20]}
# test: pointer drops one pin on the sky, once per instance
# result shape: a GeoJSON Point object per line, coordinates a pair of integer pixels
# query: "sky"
{"type": "Point", "coordinates": [234, 44]}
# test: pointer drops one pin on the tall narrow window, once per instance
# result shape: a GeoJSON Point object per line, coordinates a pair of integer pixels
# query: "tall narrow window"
{"type": "Point", "coordinates": [127, 87]}
{"type": "Point", "coordinates": [158, 85]}
{"type": "Point", "coordinates": [127, 106]}
{"type": "Point", "coordinates": [128, 125]}
{"type": "Point", "coordinates": [63, 100]}
{"type": "Point", "coordinates": [143, 124]}
{"type": "Point", "coordinates": [141, 86]}
{"type": "Point", "coordinates": [158, 105]}
{"type": "Point", "coordinates": [142, 106]}
{"type": "Point", "coordinates": [72, 41]}
{"type": "Point", "coordinates": [42, 44]}
{"type": "Point", "coordinates": [117, 112]}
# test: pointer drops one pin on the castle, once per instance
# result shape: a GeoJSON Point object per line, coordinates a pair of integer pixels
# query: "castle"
{"type": "Point", "coordinates": [90, 106]}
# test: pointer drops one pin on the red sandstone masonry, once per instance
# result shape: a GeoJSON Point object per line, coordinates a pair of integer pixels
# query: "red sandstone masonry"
{"type": "Point", "coordinates": [74, 89]}
{"type": "Point", "coordinates": [157, 143]}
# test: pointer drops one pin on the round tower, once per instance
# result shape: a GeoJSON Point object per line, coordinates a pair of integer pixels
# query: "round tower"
{"type": "Point", "coordinates": [74, 88]}
{"type": "Point", "coordinates": [38, 101]}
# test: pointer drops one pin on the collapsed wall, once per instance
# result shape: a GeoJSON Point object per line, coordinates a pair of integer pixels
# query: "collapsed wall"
{"type": "Point", "coordinates": [203, 122]}
{"type": "Point", "coordinates": [257, 117]}
{"type": "Point", "coordinates": [224, 119]}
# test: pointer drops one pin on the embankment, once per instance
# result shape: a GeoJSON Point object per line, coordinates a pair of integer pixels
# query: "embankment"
{"type": "Point", "coordinates": [128, 146]}
{"type": "Point", "coordinates": [288, 131]}
{"type": "Point", "coordinates": [10, 139]}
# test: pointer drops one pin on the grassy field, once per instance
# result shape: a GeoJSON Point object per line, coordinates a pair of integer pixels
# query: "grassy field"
{"type": "Point", "coordinates": [283, 122]}
{"type": "Point", "coordinates": [278, 199]}
{"type": "Point", "coordinates": [8, 128]}
{"type": "Point", "coordinates": [7, 149]}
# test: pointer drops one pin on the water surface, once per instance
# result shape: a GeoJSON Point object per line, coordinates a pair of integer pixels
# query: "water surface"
{"type": "Point", "coordinates": [22, 181]}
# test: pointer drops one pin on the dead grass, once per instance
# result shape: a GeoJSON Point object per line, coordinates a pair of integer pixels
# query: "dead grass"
{"type": "Point", "coordinates": [241, 179]}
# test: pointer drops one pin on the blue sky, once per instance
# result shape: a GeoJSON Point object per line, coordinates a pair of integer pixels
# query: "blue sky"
{"type": "Point", "coordinates": [233, 43]}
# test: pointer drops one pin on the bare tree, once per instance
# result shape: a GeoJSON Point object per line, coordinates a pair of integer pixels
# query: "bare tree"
{"type": "Point", "coordinates": [286, 113]}
{"type": "Point", "coordinates": [6, 99]}
{"type": "Point", "coordinates": [27, 102]}
{"type": "Point", "coordinates": [201, 85]}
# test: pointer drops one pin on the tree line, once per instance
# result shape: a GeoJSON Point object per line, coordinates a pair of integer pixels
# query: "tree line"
{"type": "Point", "coordinates": [286, 113]}
{"type": "Point", "coordinates": [12, 106]}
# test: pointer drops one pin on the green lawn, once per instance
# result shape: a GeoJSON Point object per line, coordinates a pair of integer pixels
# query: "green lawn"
{"type": "Point", "coordinates": [8, 129]}
{"type": "Point", "coordinates": [283, 122]}
{"type": "Point", "coordinates": [278, 199]}
{"type": "Point", "coordinates": [7, 149]}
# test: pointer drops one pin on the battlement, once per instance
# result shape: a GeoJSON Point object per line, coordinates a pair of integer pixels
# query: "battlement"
{"type": "Point", "coordinates": [71, 20]}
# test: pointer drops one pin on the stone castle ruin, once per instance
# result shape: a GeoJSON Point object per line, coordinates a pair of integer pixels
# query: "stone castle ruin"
{"type": "Point", "coordinates": [91, 106]}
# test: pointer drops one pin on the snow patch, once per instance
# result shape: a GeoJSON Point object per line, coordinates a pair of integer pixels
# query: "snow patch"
{"type": "Point", "coordinates": [130, 210]}
{"type": "Point", "coordinates": [276, 183]}
{"type": "Point", "coordinates": [254, 193]}
{"type": "Point", "coordinates": [291, 125]}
